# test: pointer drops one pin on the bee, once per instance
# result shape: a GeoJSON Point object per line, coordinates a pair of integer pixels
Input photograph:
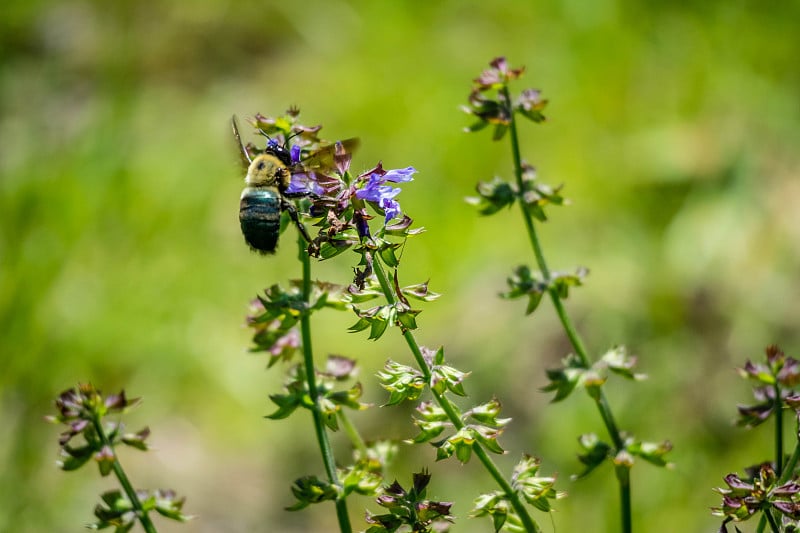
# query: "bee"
{"type": "Point", "coordinates": [265, 197]}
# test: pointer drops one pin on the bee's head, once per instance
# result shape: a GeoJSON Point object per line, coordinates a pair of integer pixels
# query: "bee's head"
{"type": "Point", "coordinates": [288, 156]}
{"type": "Point", "coordinates": [280, 151]}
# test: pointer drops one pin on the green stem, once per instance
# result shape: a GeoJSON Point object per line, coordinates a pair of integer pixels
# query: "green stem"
{"type": "Point", "coordinates": [778, 431]}
{"type": "Point", "coordinates": [311, 382]}
{"type": "Point", "coordinates": [144, 518]}
{"type": "Point", "coordinates": [785, 476]}
{"type": "Point", "coordinates": [451, 411]}
{"type": "Point", "coordinates": [566, 322]}
{"type": "Point", "coordinates": [788, 468]}
{"type": "Point", "coordinates": [352, 432]}
{"type": "Point", "coordinates": [624, 478]}
{"type": "Point", "coordinates": [771, 520]}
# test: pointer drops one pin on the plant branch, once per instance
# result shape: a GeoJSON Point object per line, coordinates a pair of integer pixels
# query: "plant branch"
{"type": "Point", "coordinates": [352, 432]}
{"type": "Point", "coordinates": [771, 519]}
{"type": "Point", "coordinates": [778, 430]}
{"type": "Point", "coordinates": [311, 381]}
{"type": "Point", "coordinates": [451, 411]}
{"type": "Point", "coordinates": [566, 322]}
{"type": "Point", "coordinates": [144, 518]}
{"type": "Point", "coordinates": [788, 468]}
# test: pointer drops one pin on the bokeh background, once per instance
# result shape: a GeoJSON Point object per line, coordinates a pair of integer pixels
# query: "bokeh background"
{"type": "Point", "coordinates": [675, 128]}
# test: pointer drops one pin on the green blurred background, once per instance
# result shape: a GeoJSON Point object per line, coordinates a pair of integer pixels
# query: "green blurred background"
{"type": "Point", "coordinates": [675, 129]}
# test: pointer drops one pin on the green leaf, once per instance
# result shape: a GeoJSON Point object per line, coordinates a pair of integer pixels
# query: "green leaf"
{"type": "Point", "coordinates": [444, 450]}
{"type": "Point", "coordinates": [621, 363]}
{"type": "Point", "coordinates": [403, 382]}
{"type": "Point", "coordinates": [428, 430]}
{"type": "Point", "coordinates": [328, 250]}
{"type": "Point", "coordinates": [652, 452]}
{"type": "Point", "coordinates": [407, 319]}
{"type": "Point", "coordinates": [438, 357]}
{"type": "Point", "coordinates": [388, 256]}
{"type": "Point", "coordinates": [493, 196]}
{"type": "Point", "coordinates": [563, 381]}
{"type": "Point", "coordinates": [311, 489]}
{"type": "Point", "coordinates": [477, 126]}
{"type": "Point", "coordinates": [596, 452]}
{"type": "Point", "coordinates": [487, 414]}
{"type": "Point", "coordinates": [287, 403]}
{"type": "Point", "coordinates": [361, 325]}
{"type": "Point", "coordinates": [499, 132]}
{"type": "Point", "coordinates": [348, 398]}
{"type": "Point", "coordinates": [447, 378]}
{"type": "Point", "coordinates": [420, 292]}
{"type": "Point", "coordinates": [534, 299]}
{"type": "Point", "coordinates": [75, 458]}
{"type": "Point", "coordinates": [494, 504]}
{"type": "Point", "coordinates": [533, 115]}
{"type": "Point", "coordinates": [105, 460]}
{"type": "Point", "coordinates": [167, 504]}
{"type": "Point", "coordinates": [137, 440]}
{"type": "Point", "coordinates": [377, 328]}
{"type": "Point", "coordinates": [462, 443]}
{"type": "Point", "coordinates": [561, 282]}
{"type": "Point", "coordinates": [488, 437]}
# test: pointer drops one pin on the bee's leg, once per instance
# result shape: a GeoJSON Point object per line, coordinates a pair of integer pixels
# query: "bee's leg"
{"type": "Point", "coordinates": [289, 206]}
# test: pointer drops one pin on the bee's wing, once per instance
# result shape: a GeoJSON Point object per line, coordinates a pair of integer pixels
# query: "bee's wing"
{"type": "Point", "coordinates": [323, 157]}
{"type": "Point", "coordinates": [245, 157]}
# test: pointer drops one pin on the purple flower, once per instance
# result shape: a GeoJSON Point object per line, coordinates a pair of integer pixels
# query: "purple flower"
{"type": "Point", "coordinates": [304, 184]}
{"type": "Point", "coordinates": [399, 175]}
{"type": "Point", "coordinates": [295, 153]}
{"type": "Point", "coordinates": [376, 192]}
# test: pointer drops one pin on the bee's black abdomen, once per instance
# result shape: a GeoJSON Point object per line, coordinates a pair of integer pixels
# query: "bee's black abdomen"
{"type": "Point", "coordinates": [260, 218]}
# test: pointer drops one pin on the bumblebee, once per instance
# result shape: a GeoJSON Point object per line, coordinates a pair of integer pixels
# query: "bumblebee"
{"type": "Point", "coordinates": [262, 201]}
{"type": "Point", "coordinates": [266, 195]}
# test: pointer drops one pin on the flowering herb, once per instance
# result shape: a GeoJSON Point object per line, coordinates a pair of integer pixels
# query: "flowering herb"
{"type": "Point", "coordinates": [362, 213]}
{"type": "Point", "coordinates": [409, 508]}
{"type": "Point", "coordinates": [339, 204]}
{"type": "Point", "coordinates": [770, 489]}
{"type": "Point", "coordinates": [83, 411]}
{"type": "Point", "coordinates": [491, 103]}
{"type": "Point", "coordinates": [382, 196]}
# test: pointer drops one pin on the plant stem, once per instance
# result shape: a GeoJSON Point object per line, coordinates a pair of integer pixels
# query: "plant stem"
{"type": "Point", "coordinates": [311, 382]}
{"type": "Point", "coordinates": [566, 322]}
{"type": "Point", "coordinates": [144, 518]}
{"type": "Point", "coordinates": [352, 432]}
{"type": "Point", "coordinates": [771, 520]}
{"type": "Point", "coordinates": [790, 465]}
{"type": "Point", "coordinates": [785, 475]}
{"type": "Point", "coordinates": [452, 412]}
{"type": "Point", "coordinates": [778, 430]}
{"type": "Point", "coordinates": [624, 478]}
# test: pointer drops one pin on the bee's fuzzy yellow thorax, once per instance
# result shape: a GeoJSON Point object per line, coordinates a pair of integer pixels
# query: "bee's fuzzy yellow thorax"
{"type": "Point", "coordinates": [266, 170]}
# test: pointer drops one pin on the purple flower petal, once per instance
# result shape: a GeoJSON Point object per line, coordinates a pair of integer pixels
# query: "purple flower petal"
{"type": "Point", "coordinates": [304, 184]}
{"type": "Point", "coordinates": [391, 208]}
{"type": "Point", "coordinates": [381, 195]}
{"type": "Point", "coordinates": [295, 153]}
{"type": "Point", "coordinates": [399, 175]}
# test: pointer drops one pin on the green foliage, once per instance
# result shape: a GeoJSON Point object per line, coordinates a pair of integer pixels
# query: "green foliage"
{"type": "Point", "coordinates": [120, 257]}
{"type": "Point", "coordinates": [409, 508]}
{"type": "Point", "coordinates": [525, 283]}
{"type": "Point", "coordinates": [537, 491]}
{"type": "Point", "coordinates": [83, 410]}
{"type": "Point", "coordinates": [574, 373]}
